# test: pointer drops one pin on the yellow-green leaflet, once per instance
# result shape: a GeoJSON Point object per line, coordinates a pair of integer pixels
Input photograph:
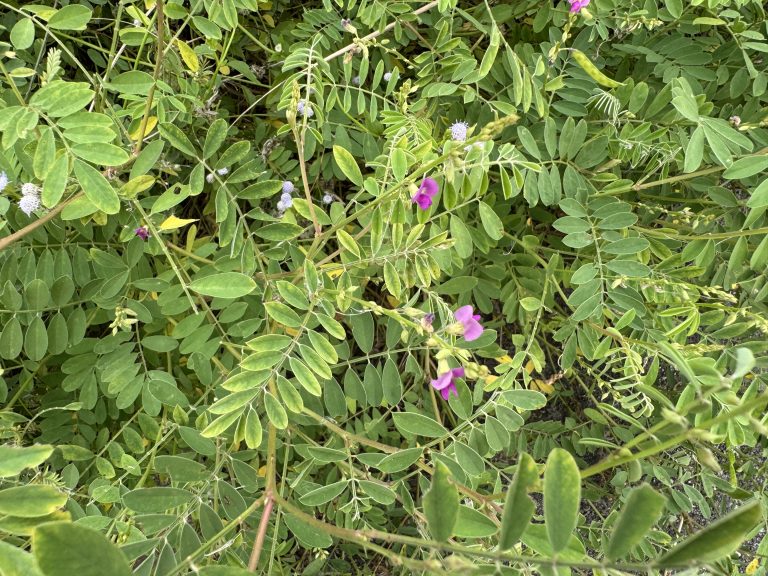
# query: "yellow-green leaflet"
{"type": "Point", "coordinates": [593, 71]}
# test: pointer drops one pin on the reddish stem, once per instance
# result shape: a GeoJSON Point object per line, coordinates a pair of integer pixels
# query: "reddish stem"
{"type": "Point", "coordinates": [261, 534]}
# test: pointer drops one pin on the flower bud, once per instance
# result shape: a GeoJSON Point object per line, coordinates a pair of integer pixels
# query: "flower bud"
{"type": "Point", "coordinates": [706, 458]}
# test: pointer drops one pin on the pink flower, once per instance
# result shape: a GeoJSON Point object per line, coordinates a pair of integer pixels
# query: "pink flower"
{"type": "Point", "coordinates": [427, 190]}
{"type": "Point", "coordinates": [445, 384]}
{"type": "Point", "coordinates": [142, 232]}
{"type": "Point", "coordinates": [577, 5]}
{"type": "Point", "coordinates": [470, 322]}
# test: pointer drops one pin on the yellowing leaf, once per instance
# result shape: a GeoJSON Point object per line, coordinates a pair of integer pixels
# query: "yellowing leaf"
{"type": "Point", "coordinates": [542, 386]}
{"type": "Point", "coordinates": [335, 273]}
{"type": "Point", "coordinates": [151, 123]}
{"type": "Point", "coordinates": [188, 55]}
{"type": "Point", "coordinates": [394, 302]}
{"type": "Point", "coordinates": [172, 223]}
{"type": "Point", "coordinates": [504, 359]}
{"type": "Point", "coordinates": [530, 367]}
{"type": "Point", "coordinates": [291, 331]}
{"type": "Point", "coordinates": [753, 566]}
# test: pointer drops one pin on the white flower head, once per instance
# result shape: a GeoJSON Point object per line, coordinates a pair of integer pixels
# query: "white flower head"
{"type": "Point", "coordinates": [29, 203]}
{"type": "Point", "coordinates": [327, 198]}
{"type": "Point", "coordinates": [3, 181]}
{"type": "Point", "coordinates": [356, 80]}
{"type": "Point", "coordinates": [387, 76]}
{"type": "Point", "coordinates": [29, 189]}
{"type": "Point", "coordinates": [223, 171]}
{"type": "Point", "coordinates": [288, 187]}
{"type": "Point", "coordinates": [281, 207]}
{"type": "Point", "coordinates": [210, 178]}
{"type": "Point", "coordinates": [459, 131]}
{"type": "Point", "coordinates": [286, 199]}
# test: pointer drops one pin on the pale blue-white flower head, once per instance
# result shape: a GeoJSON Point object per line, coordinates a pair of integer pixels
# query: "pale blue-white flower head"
{"type": "Point", "coordinates": [222, 171]}
{"type": "Point", "coordinates": [3, 181]}
{"type": "Point", "coordinates": [210, 178]}
{"type": "Point", "coordinates": [288, 187]}
{"type": "Point", "coordinates": [305, 109]}
{"type": "Point", "coordinates": [356, 80]}
{"type": "Point", "coordinates": [29, 189]}
{"type": "Point", "coordinates": [29, 203]}
{"type": "Point", "coordinates": [284, 203]}
{"type": "Point", "coordinates": [327, 198]}
{"type": "Point", "coordinates": [459, 131]}
{"type": "Point", "coordinates": [387, 76]}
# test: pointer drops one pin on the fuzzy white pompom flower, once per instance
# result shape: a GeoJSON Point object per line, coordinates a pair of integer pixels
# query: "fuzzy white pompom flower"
{"type": "Point", "coordinates": [327, 198]}
{"type": "Point", "coordinates": [29, 189]}
{"type": "Point", "coordinates": [222, 171]}
{"type": "Point", "coordinates": [387, 76]}
{"type": "Point", "coordinates": [29, 203]}
{"type": "Point", "coordinates": [3, 181]}
{"type": "Point", "coordinates": [459, 131]}
{"type": "Point", "coordinates": [288, 187]}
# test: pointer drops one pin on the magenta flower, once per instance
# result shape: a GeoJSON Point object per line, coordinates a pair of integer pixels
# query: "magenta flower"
{"type": "Point", "coordinates": [426, 192]}
{"type": "Point", "coordinates": [445, 382]}
{"type": "Point", "coordinates": [470, 322]}
{"type": "Point", "coordinates": [142, 233]}
{"type": "Point", "coordinates": [577, 5]}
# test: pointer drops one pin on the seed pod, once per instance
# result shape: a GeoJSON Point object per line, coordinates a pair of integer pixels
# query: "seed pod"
{"type": "Point", "coordinates": [592, 70]}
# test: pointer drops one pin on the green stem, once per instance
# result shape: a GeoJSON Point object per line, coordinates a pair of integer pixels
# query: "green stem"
{"type": "Point", "coordinates": [364, 537]}
{"type": "Point", "coordinates": [615, 460]}
{"type": "Point", "coordinates": [160, 17]}
{"type": "Point", "coordinates": [12, 84]}
{"type": "Point", "coordinates": [181, 566]}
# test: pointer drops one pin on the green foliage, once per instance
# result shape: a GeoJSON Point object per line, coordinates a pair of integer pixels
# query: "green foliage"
{"type": "Point", "coordinates": [221, 310]}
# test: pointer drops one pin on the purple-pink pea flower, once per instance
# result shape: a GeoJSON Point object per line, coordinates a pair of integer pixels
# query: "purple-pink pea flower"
{"type": "Point", "coordinates": [445, 382]}
{"type": "Point", "coordinates": [577, 5]}
{"type": "Point", "coordinates": [471, 322]}
{"type": "Point", "coordinates": [426, 192]}
{"type": "Point", "coordinates": [142, 232]}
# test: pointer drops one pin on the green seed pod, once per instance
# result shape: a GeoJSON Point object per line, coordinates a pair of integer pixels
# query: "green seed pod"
{"type": "Point", "coordinates": [592, 70]}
